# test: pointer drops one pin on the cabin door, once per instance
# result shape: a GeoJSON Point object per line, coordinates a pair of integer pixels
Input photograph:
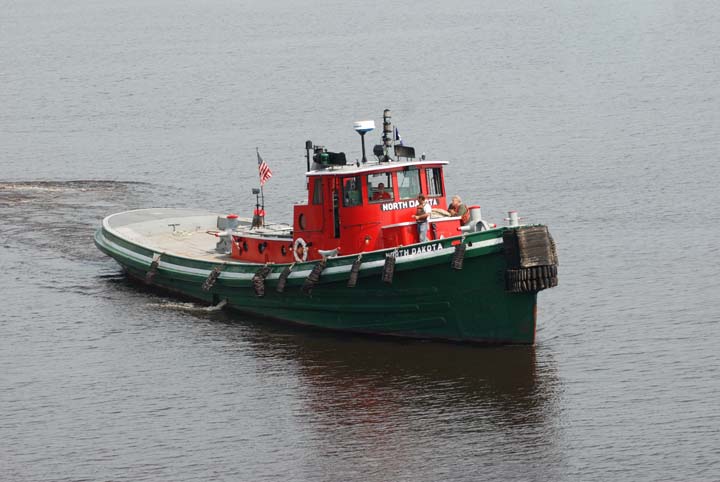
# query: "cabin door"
{"type": "Point", "coordinates": [336, 213]}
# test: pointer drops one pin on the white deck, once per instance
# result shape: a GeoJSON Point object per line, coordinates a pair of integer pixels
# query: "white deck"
{"type": "Point", "coordinates": [191, 237]}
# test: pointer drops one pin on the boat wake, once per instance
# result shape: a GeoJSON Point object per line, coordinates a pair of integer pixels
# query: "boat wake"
{"type": "Point", "coordinates": [59, 186]}
{"type": "Point", "coordinates": [189, 306]}
{"type": "Point", "coordinates": [56, 219]}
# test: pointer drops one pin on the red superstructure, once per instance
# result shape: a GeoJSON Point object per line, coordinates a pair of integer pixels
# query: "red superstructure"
{"type": "Point", "coordinates": [354, 208]}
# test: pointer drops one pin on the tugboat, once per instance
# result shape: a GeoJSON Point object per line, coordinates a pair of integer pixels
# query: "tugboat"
{"type": "Point", "coordinates": [354, 258]}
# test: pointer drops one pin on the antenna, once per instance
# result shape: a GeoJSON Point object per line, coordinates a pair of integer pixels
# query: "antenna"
{"type": "Point", "coordinates": [362, 128]}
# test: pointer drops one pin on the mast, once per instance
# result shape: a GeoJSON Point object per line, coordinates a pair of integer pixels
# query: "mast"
{"type": "Point", "coordinates": [388, 135]}
{"type": "Point", "coordinates": [262, 205]}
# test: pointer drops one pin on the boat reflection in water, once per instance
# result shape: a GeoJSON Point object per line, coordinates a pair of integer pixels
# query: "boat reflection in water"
{"type": "Point", "coordinates": [398, 400]}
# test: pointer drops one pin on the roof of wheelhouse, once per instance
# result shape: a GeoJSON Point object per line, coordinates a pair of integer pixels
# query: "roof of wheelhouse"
{"type": "Point", "coordinates": [369, 167]}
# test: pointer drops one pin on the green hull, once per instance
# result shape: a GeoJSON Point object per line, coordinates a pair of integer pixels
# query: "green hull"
{"type": "Point", "coordinates": [426, 299]}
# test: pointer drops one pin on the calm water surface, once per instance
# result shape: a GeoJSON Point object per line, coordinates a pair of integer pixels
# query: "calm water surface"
{"type": "Point", "coordinates": [601, 119]}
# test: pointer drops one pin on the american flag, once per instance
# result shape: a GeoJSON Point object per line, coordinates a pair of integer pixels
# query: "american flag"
{"type": "Point", "coordinates": [263, 169]}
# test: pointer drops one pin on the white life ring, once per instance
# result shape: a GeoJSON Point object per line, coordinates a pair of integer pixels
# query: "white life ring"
{"type": "Point", "coordinates": [300, 245]}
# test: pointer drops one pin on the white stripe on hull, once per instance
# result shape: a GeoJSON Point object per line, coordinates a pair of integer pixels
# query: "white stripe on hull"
{"type": "Point", "coordinates": [228, 275]}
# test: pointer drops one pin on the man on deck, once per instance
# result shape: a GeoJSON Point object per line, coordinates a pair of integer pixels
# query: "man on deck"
{"type": "Point", "coordinates": [421, 216]}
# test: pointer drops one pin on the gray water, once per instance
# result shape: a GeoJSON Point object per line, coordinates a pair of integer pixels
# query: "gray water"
{"type": "Point", "coordinates": [598, 118]}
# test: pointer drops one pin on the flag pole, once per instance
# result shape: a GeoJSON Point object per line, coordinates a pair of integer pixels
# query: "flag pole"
{"type": "Point", "coordinates": [262, 192]}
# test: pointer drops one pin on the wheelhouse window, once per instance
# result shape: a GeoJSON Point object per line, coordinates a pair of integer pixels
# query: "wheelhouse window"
{"type": "Point", "coordinates": [317, 191]}
{"type": "Point", "coordinates": [434, 181]}
{"type": "Point", "coordinates": [408, 183]}
{"type": "Point", "coordinates": [380, 187]}
{"type": "Point", "coordinates": [352, 193]}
